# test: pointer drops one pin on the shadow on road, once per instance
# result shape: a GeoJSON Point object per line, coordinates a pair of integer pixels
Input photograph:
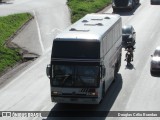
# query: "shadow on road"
{"type": "Point", "coordinates": [130, 66]}
{"type": "Point", "coordinates": [88, 112]}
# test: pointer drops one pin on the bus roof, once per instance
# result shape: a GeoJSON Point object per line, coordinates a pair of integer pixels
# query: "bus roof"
{"type": "Point", "coordinates": [90, 27]}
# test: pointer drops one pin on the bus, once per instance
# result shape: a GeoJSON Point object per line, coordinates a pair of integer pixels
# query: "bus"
{"type": "Point", "coordinates": [85, 59]}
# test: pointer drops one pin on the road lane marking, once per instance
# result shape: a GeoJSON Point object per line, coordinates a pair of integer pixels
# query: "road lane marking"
{"type": "Point", "coordinates": [39, 32]}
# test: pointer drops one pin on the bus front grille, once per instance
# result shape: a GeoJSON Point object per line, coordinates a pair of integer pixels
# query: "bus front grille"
{"type": "Point", "coordinates": [84, 90]}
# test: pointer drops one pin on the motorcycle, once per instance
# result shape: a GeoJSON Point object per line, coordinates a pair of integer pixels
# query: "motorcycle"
{"type": "Point", "coordinates": [129, 54]}
{"type": "Point", "coordinates": [128, 58]}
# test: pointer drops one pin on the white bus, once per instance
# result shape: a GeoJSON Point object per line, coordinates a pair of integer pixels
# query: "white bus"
{"type": "Point", "coordinates": [85, 59]}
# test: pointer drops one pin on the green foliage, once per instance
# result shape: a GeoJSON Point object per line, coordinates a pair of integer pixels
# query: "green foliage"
{"type": "Point", "coordinates": [8, 26]}
{"type": "Point", "coordinates": [80, 8]}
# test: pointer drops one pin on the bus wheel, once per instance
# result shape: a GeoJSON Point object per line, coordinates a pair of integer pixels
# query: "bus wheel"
{"type": "Point", "coordinates": [103, 91]}
{"type": "Point", "coordinates": [119, 64]}
{"type": "Point", "coordinates": [115, 72]}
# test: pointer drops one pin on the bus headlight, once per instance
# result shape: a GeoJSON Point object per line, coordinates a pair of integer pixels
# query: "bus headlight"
{"type": "Point", "coordinates": [93, 94]}
{"type": "Point", "coordinates": [54, 93]}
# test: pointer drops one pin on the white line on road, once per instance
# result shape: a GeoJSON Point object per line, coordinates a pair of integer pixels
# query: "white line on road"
{"type": "Point", "coordinates": [39, 33]}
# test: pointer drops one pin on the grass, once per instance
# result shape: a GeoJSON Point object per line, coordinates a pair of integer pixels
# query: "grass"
{"type": "Point", "coordinates": [8, 26]}
{"type": "Point", "coordinates": [79, 8]}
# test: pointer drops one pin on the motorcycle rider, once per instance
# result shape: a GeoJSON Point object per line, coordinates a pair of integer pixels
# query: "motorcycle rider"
{"type": "Point", "coordinates": [130, 48]}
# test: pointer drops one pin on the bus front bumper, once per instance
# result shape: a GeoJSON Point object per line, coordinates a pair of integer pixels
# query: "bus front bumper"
{"type": "Point", "coordinates": [76, 100]}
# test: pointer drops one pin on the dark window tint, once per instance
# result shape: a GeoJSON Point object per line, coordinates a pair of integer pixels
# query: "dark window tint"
{"type": "Point", "coordinates": [76, 49]}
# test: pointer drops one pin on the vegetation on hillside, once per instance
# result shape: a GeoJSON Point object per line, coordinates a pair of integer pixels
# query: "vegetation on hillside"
{"type": "Point", "coordinates": [79, 8]}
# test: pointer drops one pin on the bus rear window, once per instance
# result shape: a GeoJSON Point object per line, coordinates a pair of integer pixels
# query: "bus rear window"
{"type": "Point", "coordinates": [76, 49]}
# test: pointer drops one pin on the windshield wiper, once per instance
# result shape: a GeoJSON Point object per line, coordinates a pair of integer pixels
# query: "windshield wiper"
{"type": "Point", "coordinates": [66, 78]}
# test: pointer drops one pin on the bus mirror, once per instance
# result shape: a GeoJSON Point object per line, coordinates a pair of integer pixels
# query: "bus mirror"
{"type": "Point", "coordinates": [48, 70]}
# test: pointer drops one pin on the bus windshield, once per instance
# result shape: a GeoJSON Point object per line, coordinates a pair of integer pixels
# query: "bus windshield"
{"type": "Point", "coordinates": [75, 76]}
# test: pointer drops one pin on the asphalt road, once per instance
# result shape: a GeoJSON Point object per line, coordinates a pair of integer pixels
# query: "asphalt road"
{"type": "Point", "coordinates": [134, 90]}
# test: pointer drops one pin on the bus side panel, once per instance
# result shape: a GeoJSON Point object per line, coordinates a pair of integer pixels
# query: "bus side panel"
{"type": "Point", "coordinates": [112, 50]}
{"type": "Point", "coordinates": [107, 58]}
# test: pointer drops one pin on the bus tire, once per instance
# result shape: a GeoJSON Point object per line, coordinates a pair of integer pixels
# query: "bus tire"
{"type": "Point", "coordinates": [115, 72]}
{"type": "Point", "coordinates": [114, 79]}
{"type": "Point", "coordinates": [103, 91]}
{"type": "Point", "coordinates": [119, 63]}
